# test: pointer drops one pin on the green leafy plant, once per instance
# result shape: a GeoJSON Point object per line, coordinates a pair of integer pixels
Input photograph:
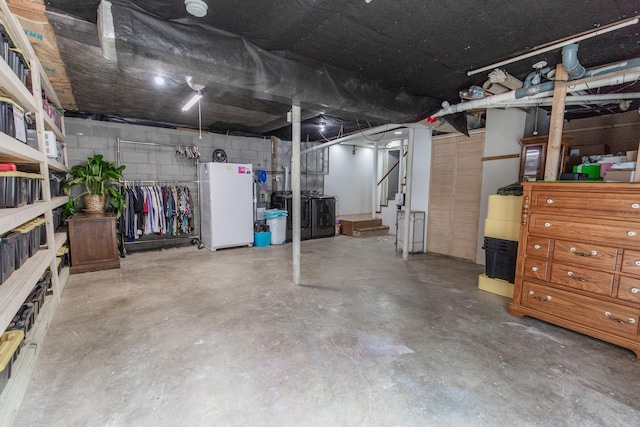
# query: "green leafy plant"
{"type": "Point", "coordinates": [97, 177]}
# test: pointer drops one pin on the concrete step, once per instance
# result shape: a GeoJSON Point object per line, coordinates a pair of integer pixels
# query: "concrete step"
{"type": "Point", "coordinates": [380, 230]}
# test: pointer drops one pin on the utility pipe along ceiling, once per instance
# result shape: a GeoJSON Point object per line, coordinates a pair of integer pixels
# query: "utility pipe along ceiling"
{"type": "Point", "coordinates": [350, 64]}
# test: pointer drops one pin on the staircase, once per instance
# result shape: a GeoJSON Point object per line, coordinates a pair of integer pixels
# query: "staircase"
{"type": "Point", "coordinates": [362, 225]}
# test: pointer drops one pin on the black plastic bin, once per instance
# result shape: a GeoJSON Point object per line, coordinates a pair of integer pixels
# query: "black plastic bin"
{"type": "Point", "coordinates": [500, 257]}
{"type": "Point", "coordinates": [13, 189]}
{"type": "Point", "coordinates": [22, 248]}
{"type": "Point", "coordinates": [7, 256]}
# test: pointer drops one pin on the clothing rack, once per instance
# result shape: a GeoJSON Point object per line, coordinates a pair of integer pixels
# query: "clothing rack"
{"type": "Point", "coordinates": [195, 238]}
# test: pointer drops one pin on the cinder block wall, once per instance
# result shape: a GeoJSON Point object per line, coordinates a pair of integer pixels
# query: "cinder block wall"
{"type": "Point", "coordinates": [160, 163]}
{"type": "Point", "coordinates": [86, 138]}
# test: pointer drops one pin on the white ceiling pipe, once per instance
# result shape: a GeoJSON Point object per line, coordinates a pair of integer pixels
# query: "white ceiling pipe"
{"type": "Point", "coordinates": [580, 99]}
{"type": "Point", "coordinates": [364, 133]}
{"type": "Point", "coordinates": [507, 98]}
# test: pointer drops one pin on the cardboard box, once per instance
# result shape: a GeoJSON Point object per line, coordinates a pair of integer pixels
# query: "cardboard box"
{"type": "Point", "coordinates": [619, 175]}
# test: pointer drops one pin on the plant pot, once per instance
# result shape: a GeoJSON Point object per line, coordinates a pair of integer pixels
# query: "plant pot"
{"type": "Point", "coordinates": [93, 202]}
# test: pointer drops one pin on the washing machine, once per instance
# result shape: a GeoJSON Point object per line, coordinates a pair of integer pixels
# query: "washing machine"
{"type": "Point", "coordinates": [284, 200]}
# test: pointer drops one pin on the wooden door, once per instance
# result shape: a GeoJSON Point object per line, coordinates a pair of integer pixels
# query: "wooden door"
{"type": "Point", "coordinates": [454, 196]}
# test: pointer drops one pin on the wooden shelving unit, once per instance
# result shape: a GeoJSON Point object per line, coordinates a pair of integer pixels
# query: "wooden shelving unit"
{"type": "Point", "coordinates": [19, 285]}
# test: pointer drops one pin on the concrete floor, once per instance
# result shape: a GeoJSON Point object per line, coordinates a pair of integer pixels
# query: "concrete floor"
{"type": "Point", "coordinates": [194, 338]}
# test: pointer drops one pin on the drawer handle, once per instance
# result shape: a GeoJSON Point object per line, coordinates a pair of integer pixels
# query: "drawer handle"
{"type": "Point", "coordinates": [635, 290]}
{"type": "Point", "coordinates": [614, 319]}
{"type": "Point", "coordinates": [637, 263]}
{"type": "Point", "coordinates": [578, 278]}
{"type": "Point", "coordinates": [538, 247]}
{"type": "Point", "coordinates": [635, 205]}
{"type": "Point", "coordinates": [575, 252]}
{"type": "Point", "coordinates": [548, 224]}
{"type": "Point", "coordinates": [543, 299]}
{"type": "Point", "coordinates": [549, 201]}
{"type": "Point", "coordinates": [631, 233]}
{"type": "Point", "coordinates": [534, 268]}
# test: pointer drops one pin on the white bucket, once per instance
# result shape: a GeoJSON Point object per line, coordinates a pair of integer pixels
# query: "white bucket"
{"type": "Point", "coordinates": [278, 228]}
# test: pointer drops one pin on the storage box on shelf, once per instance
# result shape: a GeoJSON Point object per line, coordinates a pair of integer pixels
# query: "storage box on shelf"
{"type": "Point", "coordinates": [23, 290]}
{"type": "Point", "coordinates": [10, 342]}
{"type": "Point", "coordinates": [579, 257]}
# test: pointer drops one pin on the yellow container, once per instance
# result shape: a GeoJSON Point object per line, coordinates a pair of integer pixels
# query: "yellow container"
{"type": "Point", "coordinates": [498, 229]}
{"type": "Point", "coordinates": [504, 208]}
{"type": "Point", "coordinates": [9, 343]}
{"type": "Point", "coordinates": [495, 286]}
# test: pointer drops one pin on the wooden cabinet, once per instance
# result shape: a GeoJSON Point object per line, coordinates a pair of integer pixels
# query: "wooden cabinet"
{"type": "Point", "coordinates": [579, 259]}
{"type": "Point", "coordinates": [92, 241]}
{"type": "Point", "coordinates": [534, 156]}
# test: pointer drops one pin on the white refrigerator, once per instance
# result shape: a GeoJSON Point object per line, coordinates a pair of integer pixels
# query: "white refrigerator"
{"type": "Point", "coordinates": [226, 205]}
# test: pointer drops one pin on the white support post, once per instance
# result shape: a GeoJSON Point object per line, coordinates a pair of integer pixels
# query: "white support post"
{"type": "Point", "coordinates": [407, 196]}
{"type": "Point", "coordinates": [295, 189]}
{"type": "Point", "coordinates": [374, 189]}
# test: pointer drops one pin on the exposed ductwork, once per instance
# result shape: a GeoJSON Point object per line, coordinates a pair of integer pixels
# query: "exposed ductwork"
{"type": "Point", "coordinates": [543, 90]}
{"type": "Point", "coordinates": [570, 62]}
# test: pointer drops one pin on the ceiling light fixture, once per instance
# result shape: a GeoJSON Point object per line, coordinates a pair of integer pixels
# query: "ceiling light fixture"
{"type": "Point", "coordinates": [190, 103]}
{"type": "Point", "coordinates": [398, 132]}
{"type": "Point", "coordinates": [197, 8]}
{"type": "Point", "coordinates": [159, 80]}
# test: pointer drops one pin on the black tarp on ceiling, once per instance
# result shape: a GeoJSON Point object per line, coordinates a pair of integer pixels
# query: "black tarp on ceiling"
{"type": "Point", "coordinates": [350, 62]}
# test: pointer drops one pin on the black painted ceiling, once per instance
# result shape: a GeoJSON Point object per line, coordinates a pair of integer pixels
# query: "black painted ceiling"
{"type": "Point", "coordinates": [349, 63]}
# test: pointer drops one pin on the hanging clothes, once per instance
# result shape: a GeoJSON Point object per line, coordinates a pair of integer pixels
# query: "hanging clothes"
{"type": "Point", "coordinates": [158, 210]}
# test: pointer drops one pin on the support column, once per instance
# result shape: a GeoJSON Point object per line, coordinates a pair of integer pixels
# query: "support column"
{"type": "Point", "coordinates": [407, 196]}
{"type": "Point", "coordinates": [554, 146]}
{"type": "Point", "coordinates": [374, 190]}
{"type": "Point", "coordinates": [295, 189]}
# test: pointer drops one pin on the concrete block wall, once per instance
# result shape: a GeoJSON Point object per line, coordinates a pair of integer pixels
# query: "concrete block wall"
{"type": "Point", "coordinates": [85, 138]}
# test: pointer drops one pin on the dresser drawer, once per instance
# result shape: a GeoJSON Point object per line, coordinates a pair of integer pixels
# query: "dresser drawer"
{"type": "Point", "coordinates": [592, 256]}
{"type": "Point", "coordinates": [538, 246]}
{"type": "Point", "coordinates": [603, 203]}
{"type": "Point", "coordinates": [536, 268]}
{"type": "Point", "coordinates": [579, 277]}
{"type": "Point", "coordinates": [580, 309]}
{"type": "Point", "coordinates": [631, 262]}
{"type": "Point", "coordinates": [601, 230]}
{"type": "Point", "coordinates": [629, 289]}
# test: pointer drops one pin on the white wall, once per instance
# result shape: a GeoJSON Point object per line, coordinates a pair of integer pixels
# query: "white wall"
{"type": "Point", "coordinates": [349, 179]}
{"type": "Point", "coordinates": [504, 129]}
{"type": "Point", "coordinates": [421, 174]}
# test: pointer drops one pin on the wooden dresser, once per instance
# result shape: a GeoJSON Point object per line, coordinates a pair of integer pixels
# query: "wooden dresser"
{"type": "Point", "coordinates": [579, 259]}
{"type": "Point", "coordinates": [92, 241]}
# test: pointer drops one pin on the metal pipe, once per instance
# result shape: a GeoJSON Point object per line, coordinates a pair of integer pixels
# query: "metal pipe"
{"type": "Point", "coordinates": [295, 188]}
{"type": "Point", "coordinates": [407, 197]}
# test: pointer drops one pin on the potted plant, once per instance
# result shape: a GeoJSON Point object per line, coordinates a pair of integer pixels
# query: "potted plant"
{"type": "Point", "coordinates": [96, 177]}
